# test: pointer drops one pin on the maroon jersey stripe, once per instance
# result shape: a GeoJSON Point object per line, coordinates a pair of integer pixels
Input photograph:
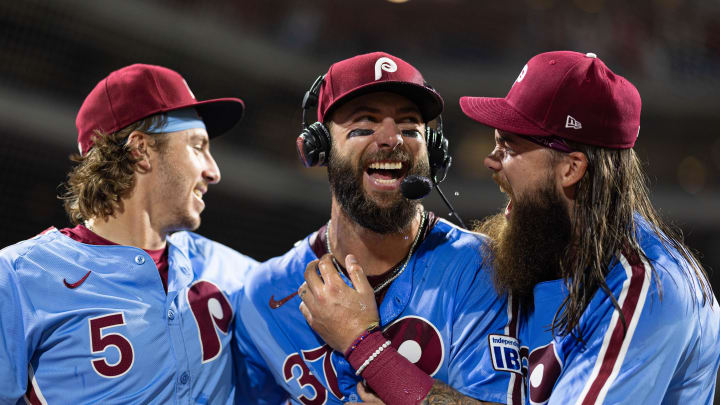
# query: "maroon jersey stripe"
{"type": "Point", "coordinates": [629, 307]}
{"type": "Point", "coordinates": [516, 380]}
{"type": "Point", "coordinates": [31, 397]}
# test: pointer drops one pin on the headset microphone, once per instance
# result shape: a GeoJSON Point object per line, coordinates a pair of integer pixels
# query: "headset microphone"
{"type": "Point", "coordinates": [414, 187]}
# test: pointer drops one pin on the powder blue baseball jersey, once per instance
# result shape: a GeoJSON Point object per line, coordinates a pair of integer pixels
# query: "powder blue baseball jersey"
{"type": "Point", "coordinates": [669, 353]}
{"type": "Point", "coordinates": [438, 313]}
{"type": "Point", "coordinates": [82, 324]}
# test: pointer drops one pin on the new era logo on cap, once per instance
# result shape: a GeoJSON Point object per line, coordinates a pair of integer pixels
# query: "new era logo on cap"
{"type": "Point", "coordinates": [571, 122]}
{"type": "Point", "coordinates": [566, 94]}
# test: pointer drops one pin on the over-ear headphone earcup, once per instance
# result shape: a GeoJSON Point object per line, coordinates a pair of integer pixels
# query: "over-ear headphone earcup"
{"type": "Point", "coordinates": [313, 145]}
{"type": "Point", "coordinates": [439, 159]}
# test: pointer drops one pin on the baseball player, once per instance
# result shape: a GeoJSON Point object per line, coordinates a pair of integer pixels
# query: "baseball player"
{"type": "Point", "coordinates": [128, 306]}
{"type": "Point", "coordinates": [429, 285]}
{"type": "Point", "coordinates": [616, 307]}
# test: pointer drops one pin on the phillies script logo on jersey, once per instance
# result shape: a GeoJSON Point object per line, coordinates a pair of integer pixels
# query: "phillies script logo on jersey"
{"type": "Point", "coordinates": [412, 336]}
{"type": "Point", "coordinates": [418, 341]}
{"type": "Point", "coordinates": [545, 369]}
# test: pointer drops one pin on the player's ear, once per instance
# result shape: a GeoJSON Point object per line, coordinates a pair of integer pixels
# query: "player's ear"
{"type": "Point", "coordinates": [138, 144]}
{"type": "Point", "coordinates": [570, 169]}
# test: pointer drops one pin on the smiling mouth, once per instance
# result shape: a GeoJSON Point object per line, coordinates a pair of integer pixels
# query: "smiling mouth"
{"type": "Point", "coordinates": [386, 172]}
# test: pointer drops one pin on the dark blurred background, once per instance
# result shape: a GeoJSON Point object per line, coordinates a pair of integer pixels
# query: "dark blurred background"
{"type": "Point", "coordinates": [52, 53]}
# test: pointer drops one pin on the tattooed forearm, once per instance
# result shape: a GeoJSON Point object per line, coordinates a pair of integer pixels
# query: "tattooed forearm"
{"type": "Point", "coordinates": [443, 394]}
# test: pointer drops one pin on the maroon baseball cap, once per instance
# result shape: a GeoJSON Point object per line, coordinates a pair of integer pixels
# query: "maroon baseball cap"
{"type": "Point", "coordinates": [138, 91]}
{"type": "Point", "coordinates": [567, 94]}
{"type": "Point", "coordinates": [372, 72]}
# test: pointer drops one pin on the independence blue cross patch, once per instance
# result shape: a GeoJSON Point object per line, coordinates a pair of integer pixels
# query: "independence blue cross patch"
{"type": "Point", "coordinates": [505, 353]}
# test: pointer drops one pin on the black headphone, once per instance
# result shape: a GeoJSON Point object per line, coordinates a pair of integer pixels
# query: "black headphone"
{"type": "Point", "coordinates": [313, 143]}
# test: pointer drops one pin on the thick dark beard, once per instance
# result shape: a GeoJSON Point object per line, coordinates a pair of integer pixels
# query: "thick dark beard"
{"type": "Point", "coordinates": [346, 183]}
{"type": "Point", "coordinates": [528, 248]}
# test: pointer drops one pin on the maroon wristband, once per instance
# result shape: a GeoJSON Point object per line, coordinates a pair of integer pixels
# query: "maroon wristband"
{"type": "Point", "coordinates": [393, 377]}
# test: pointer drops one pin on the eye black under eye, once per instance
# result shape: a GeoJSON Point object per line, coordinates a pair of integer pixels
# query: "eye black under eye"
{"type": "Point", "coordinates": [360, 132]}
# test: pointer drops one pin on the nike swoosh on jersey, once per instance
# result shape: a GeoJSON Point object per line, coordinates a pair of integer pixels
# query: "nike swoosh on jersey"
{"type": "Point", "coordinates": [277, 304]}
{"type": "Point", "coordinates": [77, 283]}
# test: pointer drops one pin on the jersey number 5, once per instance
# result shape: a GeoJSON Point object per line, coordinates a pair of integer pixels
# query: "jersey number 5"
{"type": "Point", "coordinates": [99, 342]}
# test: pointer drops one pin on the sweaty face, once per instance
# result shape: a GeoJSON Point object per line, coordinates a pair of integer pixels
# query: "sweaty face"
{"type": "Point", "coordinates": [181, 175]}
{"type": "Point", "coordinates": [377, 141]}
{"type": "Point", "coordinates": [532, 236]}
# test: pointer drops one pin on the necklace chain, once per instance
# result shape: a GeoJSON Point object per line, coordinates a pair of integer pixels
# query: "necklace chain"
{"type": "Point", "coordinates": [398, 270]}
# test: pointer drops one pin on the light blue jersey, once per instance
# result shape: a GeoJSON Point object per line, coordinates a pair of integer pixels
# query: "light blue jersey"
{"type": "Point", "coordinates": [90, 324]}
{"type": "Point", "coordinates": [438, 313]}
{"type": "Point", "coordinates": [669, 353]}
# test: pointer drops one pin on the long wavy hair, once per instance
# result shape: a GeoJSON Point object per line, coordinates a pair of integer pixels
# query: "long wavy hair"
{"type": "Point", "coordinates": [105, 175]}
{"type": "Point", "coordinates": [613, 190]}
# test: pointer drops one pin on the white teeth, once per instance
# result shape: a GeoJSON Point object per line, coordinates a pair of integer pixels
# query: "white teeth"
{"type": "Point", "coordinates": [382, 181]}
{"type": "Point", "coordinates": [386, 165]}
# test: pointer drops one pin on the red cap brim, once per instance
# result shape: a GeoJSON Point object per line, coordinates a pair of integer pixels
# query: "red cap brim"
{"type": "Point", "coordinates": [497, 113]}
{"type": "Point", "coordinates": [428, 100]}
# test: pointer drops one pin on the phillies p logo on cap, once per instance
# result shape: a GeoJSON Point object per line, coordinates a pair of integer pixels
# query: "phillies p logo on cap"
{"type": "Point", "coordinates": [371, 72]}
{"type": "Point", "coordinates": [385, 64]}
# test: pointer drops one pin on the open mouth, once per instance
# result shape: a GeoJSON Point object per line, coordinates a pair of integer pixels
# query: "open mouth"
{"type": "Point", "coordinates": [509, 196]}
{"type": "Point", "coordinates": [198, 194]}
{"type": "Point", "coordinates": [386, 173]}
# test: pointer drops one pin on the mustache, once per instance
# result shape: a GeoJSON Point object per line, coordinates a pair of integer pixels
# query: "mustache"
{"type": "Point", "coordinates": [400, 155]}
{"type": "Point", "coordinates": [502, 183]}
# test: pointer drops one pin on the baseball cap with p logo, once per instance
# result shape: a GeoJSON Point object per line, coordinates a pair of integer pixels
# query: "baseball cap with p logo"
{"type": "Point", "coordinates": [138, 91]}
{"type": "Point", "coordinates": [372, 72]}
{"type": "Point", "coordinates": [566, 94]}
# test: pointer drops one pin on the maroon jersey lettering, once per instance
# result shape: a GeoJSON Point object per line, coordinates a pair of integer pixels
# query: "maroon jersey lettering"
{"type": "Point", "coordinates": [306, 379]}
{"type": "Point", "coordinates": [545, 368]}
{"type": "Point", "coordinates": [99, 342]}
{"type": "Point", "coordinates": [418, 341]}
{"type": "Point", "coordinates": [325, 352]}
{"type": "Point", "coordinates": [212, 311]}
